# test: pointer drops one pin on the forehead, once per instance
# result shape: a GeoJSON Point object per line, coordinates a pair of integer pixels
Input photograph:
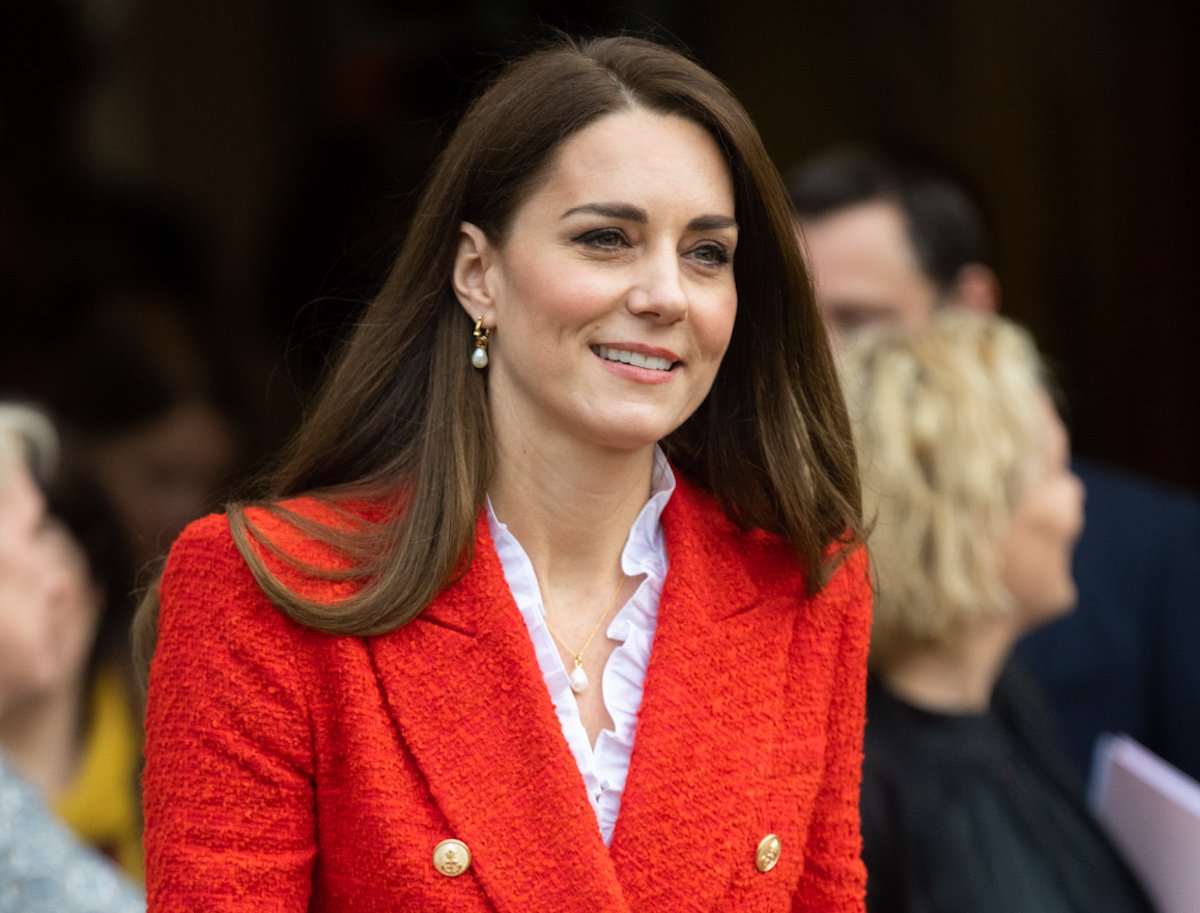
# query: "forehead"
{"type": "Point", "coordinates": [639, 154]}
{"type": "Point", "coordinates": [865, 270]}
{"type": "Point", "coordinates": [868, 236]}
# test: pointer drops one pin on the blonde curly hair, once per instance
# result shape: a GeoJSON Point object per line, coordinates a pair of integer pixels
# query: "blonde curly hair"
{"type": "Point", "coordinates": [948, 429]}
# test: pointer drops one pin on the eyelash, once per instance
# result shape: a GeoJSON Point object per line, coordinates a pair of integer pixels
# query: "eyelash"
{"type": "Point", "coordinates": [613, 239]}
{"type": "Point", "coordinates": [721, 255]}
{"type": "Point", "coordinates": [603, 238]}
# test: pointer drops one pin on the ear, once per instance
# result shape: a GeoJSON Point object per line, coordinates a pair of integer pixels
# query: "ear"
{"type": "Point", "coordinates": [473, 262]}
{"type": "Point", "coordinates": [976, 288]}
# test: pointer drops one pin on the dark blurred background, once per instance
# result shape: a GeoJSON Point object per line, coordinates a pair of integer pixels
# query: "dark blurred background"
{"type": "Point", "coordinates": [225, 181]}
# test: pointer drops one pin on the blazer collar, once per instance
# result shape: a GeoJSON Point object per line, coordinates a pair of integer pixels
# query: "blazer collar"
{"type": "Point", "coordinates": [463, 686]}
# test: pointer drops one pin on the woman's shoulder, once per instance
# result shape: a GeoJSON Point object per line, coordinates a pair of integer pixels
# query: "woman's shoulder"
{"type": "Point", "coordinates": [297, 528]}
{"type": "Point", "coordinates": [204, 543]}
{"type": "Point", "coordinates": [212, 531]}
{"type": "Point", "coordinates": [206, 575]}
{"type": "Point", "coordinates": [224, 558]}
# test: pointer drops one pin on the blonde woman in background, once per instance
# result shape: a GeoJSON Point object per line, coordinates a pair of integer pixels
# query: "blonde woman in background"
{"type": "Point", "coordinates": [967, 804]}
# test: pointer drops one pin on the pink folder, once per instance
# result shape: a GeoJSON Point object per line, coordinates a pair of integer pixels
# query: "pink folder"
{"type": "Point", "coordinates": [1151, 811]}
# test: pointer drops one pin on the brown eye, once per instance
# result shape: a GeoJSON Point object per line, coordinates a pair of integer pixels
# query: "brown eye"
{"type": "Point", "coordinates": [712, 254]}
{"type": "Point", "coordinates": [604, 239]}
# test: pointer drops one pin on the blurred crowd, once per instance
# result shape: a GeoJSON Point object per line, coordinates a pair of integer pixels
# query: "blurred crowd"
{"type": "Point", "coordinates": [118, 426]}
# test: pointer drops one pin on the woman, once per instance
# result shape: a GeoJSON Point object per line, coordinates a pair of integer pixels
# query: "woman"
{"type": "Point", "coordinates": [968, 806]}
{"type": "Point", "coordinates": [390, 691]}
{"type": "Point", "coordinates": [77, 738]}
{"type": "Point", "coordinates": [73, 735]}
{"type": "Point", "coordinates": [42, 644]}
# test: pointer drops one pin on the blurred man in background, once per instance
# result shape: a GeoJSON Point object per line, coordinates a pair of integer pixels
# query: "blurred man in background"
{"type": "Point", "coordinates": [889, 241]}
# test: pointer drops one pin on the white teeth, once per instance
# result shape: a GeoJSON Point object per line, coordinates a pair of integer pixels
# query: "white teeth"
{"type": "Point", "coordinates": [633, 358]}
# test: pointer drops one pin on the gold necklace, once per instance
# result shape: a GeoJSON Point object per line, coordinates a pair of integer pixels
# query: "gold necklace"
{"type": "Point", "coordinates": [578, 678]}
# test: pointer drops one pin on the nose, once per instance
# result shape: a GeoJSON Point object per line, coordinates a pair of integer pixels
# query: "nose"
{"type": "Point", "coordinates": [658, 291]}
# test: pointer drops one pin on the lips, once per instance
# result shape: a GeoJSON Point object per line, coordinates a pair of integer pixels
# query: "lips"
{"type": "Point", "coordinates": [651, 362]}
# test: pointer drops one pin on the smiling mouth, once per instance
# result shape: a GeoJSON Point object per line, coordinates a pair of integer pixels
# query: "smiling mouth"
{"type": "Point", "coordinates": [638, 360]}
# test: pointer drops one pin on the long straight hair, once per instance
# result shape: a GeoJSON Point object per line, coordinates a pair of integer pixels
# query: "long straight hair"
{"type": "Point", "coordinates": [403, 416]}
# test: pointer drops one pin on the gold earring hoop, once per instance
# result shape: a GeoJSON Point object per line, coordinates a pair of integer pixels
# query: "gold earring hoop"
{"type": "Point", "coordinates": [479, 357]}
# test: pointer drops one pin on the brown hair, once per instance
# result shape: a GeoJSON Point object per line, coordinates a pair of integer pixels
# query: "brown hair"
{"type": "Point", "coordinates": [403, 414]}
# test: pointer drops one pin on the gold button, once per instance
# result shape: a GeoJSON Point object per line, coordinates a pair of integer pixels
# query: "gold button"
{"type": "Point", "coordinates": [767, 853]}
{"type": "Point", "coordinates": [451, 858]}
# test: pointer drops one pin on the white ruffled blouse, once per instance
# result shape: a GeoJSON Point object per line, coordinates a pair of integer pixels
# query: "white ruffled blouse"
{"type": "Point", "coordinates": [604, 767]}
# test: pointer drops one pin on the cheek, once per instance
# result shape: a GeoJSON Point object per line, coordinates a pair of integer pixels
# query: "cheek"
{"type": "Point", "coordinates": [715, 322]}
{"type": "Point", "coordinates": [25, 634]}
{"type": "Point", "coordinates": [16, 636]}
{"type": "Point", "coordinates": [539, 291]}
{"type": "Point", "coordinates": [1052, 511]}
{"type": "Point", "coordinates": [1041, 542]}
{"type": "Point", "coordinates": [1064, 514]}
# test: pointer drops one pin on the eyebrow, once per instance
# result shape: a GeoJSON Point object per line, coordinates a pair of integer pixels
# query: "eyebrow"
{"type": "Point", "coordinates": [629, 213]}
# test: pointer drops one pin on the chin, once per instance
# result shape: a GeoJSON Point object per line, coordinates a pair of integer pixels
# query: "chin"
{"type": "Point", "coordinates": [634, 431]}
{"type": "Point", "coordinates": [627, 438]}
{"type": "Point", "coordinates": [1052, 607]}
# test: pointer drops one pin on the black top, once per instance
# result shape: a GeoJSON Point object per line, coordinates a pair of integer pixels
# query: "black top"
{"type": "Point", "coordinates": [978, 813]}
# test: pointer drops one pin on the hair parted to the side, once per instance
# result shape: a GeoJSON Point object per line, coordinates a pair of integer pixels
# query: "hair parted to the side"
{"type": "Point", "coordinates": [948, 427]}
{"type": "Point", "coordinates": [403, 414]}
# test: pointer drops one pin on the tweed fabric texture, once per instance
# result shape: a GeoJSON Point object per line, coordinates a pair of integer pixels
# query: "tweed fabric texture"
{"type": "Point", "coordinates": [290, 770]}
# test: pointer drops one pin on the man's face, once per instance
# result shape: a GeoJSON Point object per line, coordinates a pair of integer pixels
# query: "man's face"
{"type": "Point", "coordinates": [865, 270]}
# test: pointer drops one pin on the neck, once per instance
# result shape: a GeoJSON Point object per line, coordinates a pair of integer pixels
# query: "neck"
{"type": "Point", "coordinates": [958, 677]}
{"type": "Point", "coordinates": [570, 512]}
{"type": "Point", "coordinates": [43, 737]}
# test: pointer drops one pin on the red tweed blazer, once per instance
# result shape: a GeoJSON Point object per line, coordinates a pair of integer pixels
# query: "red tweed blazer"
{"type": "Point", "coordinates": [289, 770]}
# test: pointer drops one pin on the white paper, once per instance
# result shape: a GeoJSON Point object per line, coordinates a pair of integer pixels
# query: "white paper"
{"type": "Point", "coordinates": [1151, 811]}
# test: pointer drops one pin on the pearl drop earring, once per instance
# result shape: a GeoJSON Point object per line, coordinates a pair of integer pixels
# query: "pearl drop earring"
{"type": "Point", "coordinates": [479, 358]}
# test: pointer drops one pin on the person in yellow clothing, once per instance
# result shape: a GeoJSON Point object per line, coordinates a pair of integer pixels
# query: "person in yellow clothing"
{"type": "Point", "coordinates": [100, 803]}
{"type": "Point", "coordinates": [44, 867]}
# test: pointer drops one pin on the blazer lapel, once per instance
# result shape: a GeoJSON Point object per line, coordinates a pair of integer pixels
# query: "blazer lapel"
{"type": "Point", "coordinates": [711, 696]}
{"type": "Point", "coordinates": [466, 694]}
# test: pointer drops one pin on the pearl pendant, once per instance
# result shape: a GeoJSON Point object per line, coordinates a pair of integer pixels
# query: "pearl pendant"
{"type": "Point", "coordinates": [479, 358]}
{"type": "Point", "coordinates": [579, 679]}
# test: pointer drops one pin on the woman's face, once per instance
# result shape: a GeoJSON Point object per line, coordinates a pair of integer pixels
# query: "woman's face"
{"type": "Point", "coordinates": [612, 297]}
{"type": "Point", "coordinates": [27, 588]}
{"type": "Point", "coordinates": [1045, 524]}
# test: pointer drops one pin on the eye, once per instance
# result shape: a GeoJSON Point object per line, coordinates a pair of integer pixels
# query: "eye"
{"type": "Point", "coordinates": [603, 239]}
{"type": "Point", "coordinates": [711, 253]}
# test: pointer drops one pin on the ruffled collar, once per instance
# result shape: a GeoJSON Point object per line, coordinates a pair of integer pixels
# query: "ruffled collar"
{"type": "Point", "coordinates": [604, 766]}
